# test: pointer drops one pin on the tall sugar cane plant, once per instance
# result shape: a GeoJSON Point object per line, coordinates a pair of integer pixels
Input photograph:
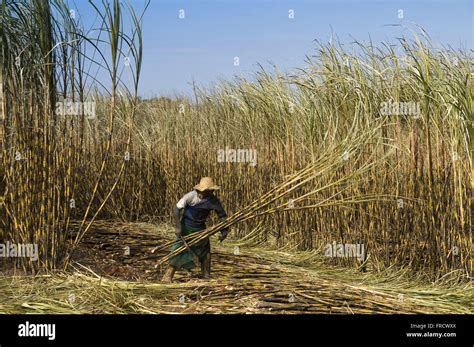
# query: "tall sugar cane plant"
{"type": "Point", "coordinates": [47, 58]}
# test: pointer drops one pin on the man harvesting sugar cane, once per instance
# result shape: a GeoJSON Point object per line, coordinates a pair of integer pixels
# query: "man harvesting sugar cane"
{"type": "Point", "coordinates": [190, 215]}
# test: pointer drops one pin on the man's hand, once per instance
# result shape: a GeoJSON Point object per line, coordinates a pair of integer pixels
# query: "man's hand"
{"type": "Point", "coordinates": [223, 235]}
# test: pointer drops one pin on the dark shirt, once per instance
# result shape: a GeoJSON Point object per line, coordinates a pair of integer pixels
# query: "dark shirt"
{"type": "Point", "coordinates": [197, 210]}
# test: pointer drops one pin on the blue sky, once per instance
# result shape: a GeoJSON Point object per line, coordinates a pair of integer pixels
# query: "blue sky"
{"type": "Point", "coordinates": [202, 46]}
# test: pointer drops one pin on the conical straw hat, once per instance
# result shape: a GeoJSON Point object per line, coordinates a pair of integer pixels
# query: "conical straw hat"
{"type": "Point", "coordinates": [206, 183]}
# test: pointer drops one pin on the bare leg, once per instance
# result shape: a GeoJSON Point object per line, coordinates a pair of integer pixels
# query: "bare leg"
{"type": "Point", "coordinates": [206, 266]}
{"type": "Point", "coordinates": [168, 276]}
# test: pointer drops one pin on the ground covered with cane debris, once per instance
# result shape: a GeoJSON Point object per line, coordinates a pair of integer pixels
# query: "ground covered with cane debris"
{"type": "Point", "coordinates": [114, 272]}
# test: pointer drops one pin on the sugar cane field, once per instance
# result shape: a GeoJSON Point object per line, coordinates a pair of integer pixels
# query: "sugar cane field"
{"type": "Point", "coordinates": [343, 187]}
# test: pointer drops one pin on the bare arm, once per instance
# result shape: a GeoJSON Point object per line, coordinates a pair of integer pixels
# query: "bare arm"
{"type": "Point", "coordinates": [177, 213]}
{"type": "Point", "coordinates": [222, 217]}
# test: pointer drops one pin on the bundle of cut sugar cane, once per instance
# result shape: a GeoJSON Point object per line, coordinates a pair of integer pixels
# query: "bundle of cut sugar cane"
{"type": "Point", "coordinates": [331, 160]}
